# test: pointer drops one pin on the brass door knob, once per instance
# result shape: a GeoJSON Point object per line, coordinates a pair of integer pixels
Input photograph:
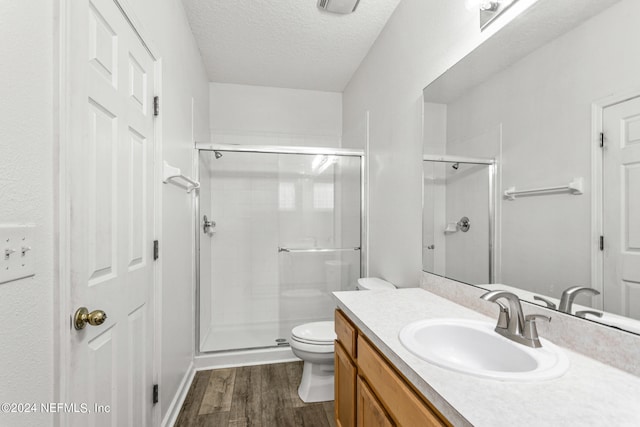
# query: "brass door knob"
{"type": "Point", "coordinates": [82, 317]}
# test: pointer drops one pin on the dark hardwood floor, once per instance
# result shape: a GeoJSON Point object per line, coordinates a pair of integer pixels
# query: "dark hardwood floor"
{"type": "Point", "coordinates": [258, 396]}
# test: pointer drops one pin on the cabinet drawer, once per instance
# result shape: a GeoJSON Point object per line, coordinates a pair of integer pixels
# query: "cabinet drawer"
{"type": "Point", "coordinates": [401, 402]}
{"type": "Point", "coordinates": [346, 333]}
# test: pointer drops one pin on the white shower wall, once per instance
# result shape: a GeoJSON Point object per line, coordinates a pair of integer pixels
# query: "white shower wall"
{"type": "Point", "coordinates": [261, 202]}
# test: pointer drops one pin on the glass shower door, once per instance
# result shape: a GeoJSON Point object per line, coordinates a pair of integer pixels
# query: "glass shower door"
{"type": "Point", "coordinates": [457, 220]}
{"type": "Point", "coordinates": [287, 234]}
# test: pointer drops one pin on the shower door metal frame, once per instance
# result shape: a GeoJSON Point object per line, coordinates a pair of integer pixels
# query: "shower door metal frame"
{"type": "Point", "coordinates": [491, 163]}
{"type": "Point", "coordinates": [268, 149]}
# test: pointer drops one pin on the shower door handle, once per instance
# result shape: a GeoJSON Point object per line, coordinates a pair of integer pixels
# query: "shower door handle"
{"type": "Point", "coordinates": [280, 249]}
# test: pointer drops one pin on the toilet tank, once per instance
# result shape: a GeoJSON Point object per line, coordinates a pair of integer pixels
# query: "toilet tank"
{"type": "Point", "coordinates": [372, 283]}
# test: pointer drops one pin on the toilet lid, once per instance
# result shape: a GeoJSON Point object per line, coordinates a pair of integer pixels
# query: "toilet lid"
{"type": "Point", "coordinates": [374, 283]}
{"type": "Point", "coordinates": [316, 332]}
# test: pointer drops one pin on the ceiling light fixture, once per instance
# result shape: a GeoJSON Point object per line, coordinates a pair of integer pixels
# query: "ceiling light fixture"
{"type": "Point", "coordinates": [482, 5]}
{"type": "Point", "coordinates": [338, 6]}
{"type": "Point", "coordinates": [490, 5]}
{"type": "Point", "coordinates": [489, 10]}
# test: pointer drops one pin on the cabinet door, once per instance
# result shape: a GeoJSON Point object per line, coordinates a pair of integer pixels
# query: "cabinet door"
{"type": "Point", "coordinates": [370, 411]}
{"type": "Point", "coordinates": [404, 405]}
{"type": "Point", "coordinates": [345, 388]}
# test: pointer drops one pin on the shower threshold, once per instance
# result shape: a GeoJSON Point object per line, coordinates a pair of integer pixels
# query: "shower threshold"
{"type": "Point", "coordinates": [251, 336]}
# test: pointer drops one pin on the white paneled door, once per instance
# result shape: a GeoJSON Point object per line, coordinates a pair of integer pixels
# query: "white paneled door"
{"type": "Point", "coordinates": [621, 213]}
{"type": "Point", "coordinates": [110, 181]}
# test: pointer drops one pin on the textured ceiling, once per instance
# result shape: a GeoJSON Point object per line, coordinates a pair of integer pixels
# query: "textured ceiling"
{"type": "Point", "coordinates": [284, 43]}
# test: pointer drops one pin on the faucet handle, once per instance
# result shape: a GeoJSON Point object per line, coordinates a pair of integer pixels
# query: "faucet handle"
{"type": "Point", "coordinates": [548, 303]}
{"type": "Point", "coordinates": [530, 330]}
{"type": "Point", "coordinates": [584, 313]}
{"type": "Point", "coordinates": [503, 316]}
{"type": "Point", "coordinates": [512, 316]}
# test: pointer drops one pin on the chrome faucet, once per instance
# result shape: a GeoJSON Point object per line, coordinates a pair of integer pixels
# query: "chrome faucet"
{"type": "Point", "coordinates": [512, 323]}
{"type": "Point", "coordinates": [512, 317]}
{"type": "Point", "coordinates": [569, 294]}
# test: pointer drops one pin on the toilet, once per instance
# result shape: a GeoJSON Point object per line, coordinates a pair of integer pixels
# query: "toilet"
{"type": "Point", "coordinates": [313, 343]}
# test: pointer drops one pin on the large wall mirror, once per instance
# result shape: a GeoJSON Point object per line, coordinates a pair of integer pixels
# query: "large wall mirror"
{"type": "Point", "coordinates": [532, 101]}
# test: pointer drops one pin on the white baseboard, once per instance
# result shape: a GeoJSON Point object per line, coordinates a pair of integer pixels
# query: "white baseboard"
{"type": "Point", "coordinates": [231, 359]}
{"type": "Point", "coordinates": [176, 404]}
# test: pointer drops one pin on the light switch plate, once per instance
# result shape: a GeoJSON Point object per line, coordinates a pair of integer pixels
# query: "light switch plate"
{"type": "Point", "coordinates": [16, 252]}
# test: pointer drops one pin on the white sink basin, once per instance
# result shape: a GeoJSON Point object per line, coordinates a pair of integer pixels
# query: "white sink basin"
{"type": "Point", "coordinates": [473, 347]}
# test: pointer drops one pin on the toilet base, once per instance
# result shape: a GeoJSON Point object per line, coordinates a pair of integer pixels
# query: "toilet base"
{"type": "Point", "coordinates": [317, 383]}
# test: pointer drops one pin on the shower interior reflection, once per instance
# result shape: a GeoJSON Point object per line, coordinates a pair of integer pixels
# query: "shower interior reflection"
{"type": "Point", "coordinates": [287, 233]}
{"type": "Point", "coordinates": [458, 220]}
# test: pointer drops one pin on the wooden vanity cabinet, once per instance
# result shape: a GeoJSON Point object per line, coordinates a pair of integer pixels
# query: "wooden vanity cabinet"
{"type": "Point", "coordinates": [369, 392]}
{"type": "Point", "coordinates": [370, 412]}
{"type": "Point", "coordinates": [346, 375]}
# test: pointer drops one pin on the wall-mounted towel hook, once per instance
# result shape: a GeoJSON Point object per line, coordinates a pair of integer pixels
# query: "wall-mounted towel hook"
{"type": "Point", "coordinates": [173, 175]}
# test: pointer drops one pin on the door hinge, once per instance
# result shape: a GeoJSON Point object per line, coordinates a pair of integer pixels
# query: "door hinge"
{"type": "Point", "coordinates": [156, 393]}
{"type": "Point", "coordinates": [156, 106]}
{"type": "Point", "coordinates": [601, 139]}
{"type": "Point", "coordinates": [602, 243]}
{"type": "Point", "coordinates": [156, 250]}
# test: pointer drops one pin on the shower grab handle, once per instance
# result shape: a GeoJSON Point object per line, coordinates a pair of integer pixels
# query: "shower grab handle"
{"type": "Point", "coordinates": [281, 249]}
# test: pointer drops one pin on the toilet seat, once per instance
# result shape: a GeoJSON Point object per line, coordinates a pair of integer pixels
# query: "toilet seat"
{"type": "Point", "coordinates": [373, 284]}
{"type": "Point", "coordinates": [317, 348]}
{"type": "Point", "coordinates": [314, 344]}
{"type": "Point", "coordinates": [315, 333]}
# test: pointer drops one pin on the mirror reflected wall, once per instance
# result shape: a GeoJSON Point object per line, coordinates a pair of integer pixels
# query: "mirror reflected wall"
{"type": "Point", "coordinates": [540, 117]}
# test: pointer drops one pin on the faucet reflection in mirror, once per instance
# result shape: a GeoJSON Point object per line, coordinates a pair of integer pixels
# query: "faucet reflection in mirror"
{"type": "Point", "coordinates": [547, 118]}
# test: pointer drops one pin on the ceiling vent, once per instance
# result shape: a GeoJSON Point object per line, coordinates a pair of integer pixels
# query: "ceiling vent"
{"type": "Point", "coordinates": [338, 6]}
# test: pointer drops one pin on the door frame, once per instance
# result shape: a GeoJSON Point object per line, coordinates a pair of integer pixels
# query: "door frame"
{"type": "Point", "coordinates": [63, 124]}
{"type": "Point", "coordinates": [597, 217]}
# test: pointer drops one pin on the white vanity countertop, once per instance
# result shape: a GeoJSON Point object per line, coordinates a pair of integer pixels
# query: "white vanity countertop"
{"type": "Point", "coordinates": [589, 394]}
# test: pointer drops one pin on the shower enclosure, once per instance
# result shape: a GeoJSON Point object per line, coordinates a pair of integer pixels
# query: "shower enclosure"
{"type": "Point", "coordinates": [282, 231]}
{"type": "Point", "coordinates": [458, 218]}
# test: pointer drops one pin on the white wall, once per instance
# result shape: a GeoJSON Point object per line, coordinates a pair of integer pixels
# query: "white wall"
{"type": "Point", "coordinates": [434, 195]}
{"type": "Point", "coordinates": [184, 109]}
{"type": "Point", "coordinates": [28, 192]}
{"type": "Point", "coordinates": [421, 40]}
{"type": "Point", "coordinates": [26, 195]}
{"type": "Point", "coordinates": [546, 141]}
{"type": "Point", "coordinates": [259, 115]}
